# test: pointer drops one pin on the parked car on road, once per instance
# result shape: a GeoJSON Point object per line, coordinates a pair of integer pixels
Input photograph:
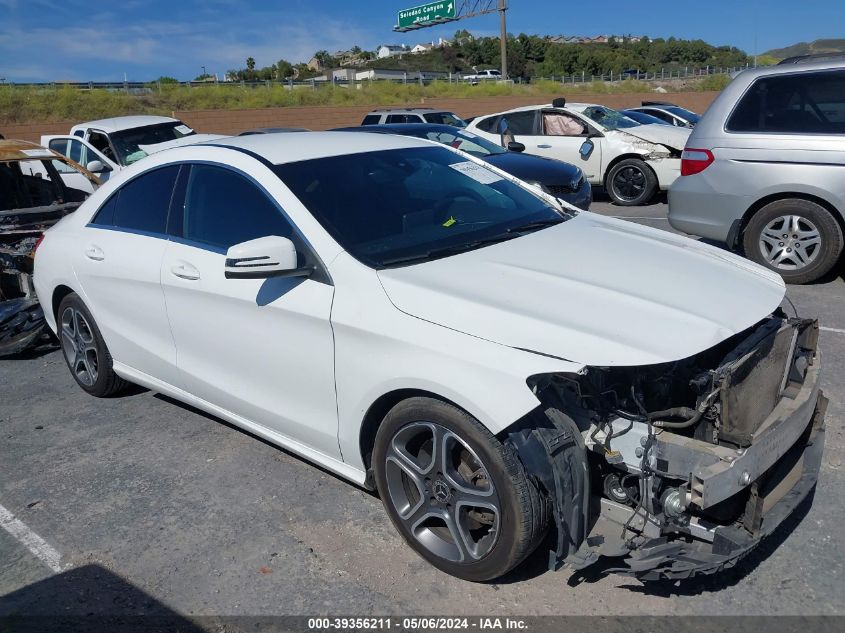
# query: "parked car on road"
{"type": "Point", "coordinates": [631, 161]}
{"type": "Point", "coordinates": [670, 113]}
{"type": "Point", "coordinates": [562, 180]}
{"type": "Point", "coordinates": [413, 115]}
{"type": "Point", "coordinates": [422, 323]}
{"type": "Point", "coordinates": [763, 170]}
{"type": "Point", "coordinates": [33, 196]}
{"type": "Point", "coordinates": [483, 75]}
{"type": "Point", "coordinates": [112, 144]}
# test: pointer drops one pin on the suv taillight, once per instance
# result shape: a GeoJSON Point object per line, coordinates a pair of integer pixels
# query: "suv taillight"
{"type": "Point", "coordinates": [695, 161]}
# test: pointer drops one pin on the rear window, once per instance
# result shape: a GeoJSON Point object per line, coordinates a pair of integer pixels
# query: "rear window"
{"type": "Point", "coordinates": [371, 119]}
{"type": "Point", "coordinates": [803, 103]}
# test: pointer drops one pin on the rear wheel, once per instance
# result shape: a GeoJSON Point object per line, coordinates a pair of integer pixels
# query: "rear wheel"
{"type": "Point", "coordinates": [796, 238]}
{"type": "Point", "coordinates": [631, 182]}
{"type": "Point", "coordinates": [84, 349]}
{"type": "Point", "coordinates": [459, 497]}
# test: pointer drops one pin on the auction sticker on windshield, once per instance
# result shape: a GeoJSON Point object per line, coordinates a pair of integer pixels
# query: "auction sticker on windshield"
{"type": "Point", "coordinates": [476, 172]}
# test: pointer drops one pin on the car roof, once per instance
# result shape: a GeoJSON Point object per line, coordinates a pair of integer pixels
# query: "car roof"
{"type": "Point", "coordinates": [575, 107]}
{"type": "Point", "coordinates": [790, 69]}
{"type": "Point", "coordinates": [11, 149]}
{"type": "Point", "coordinates": [118, 123]}
{"type": "Point", "coordinates": [298, 146]}
{"type": "Point", "coordinates": [402, 128]}
{"type": "Point", "coordinates": [412, 110]}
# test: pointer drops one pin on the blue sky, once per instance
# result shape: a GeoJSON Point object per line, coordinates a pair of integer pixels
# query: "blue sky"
{"type": "Point", "coordinates": [44, 40]}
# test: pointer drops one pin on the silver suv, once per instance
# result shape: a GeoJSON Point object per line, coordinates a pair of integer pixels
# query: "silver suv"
{"type": "Point", "coordinates": [764, 169]}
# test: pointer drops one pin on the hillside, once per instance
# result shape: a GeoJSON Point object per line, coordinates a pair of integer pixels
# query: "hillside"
{"type": "Point", "coordinates": [808, 48]}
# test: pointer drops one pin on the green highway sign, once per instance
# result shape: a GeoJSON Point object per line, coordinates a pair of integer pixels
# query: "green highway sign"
{"type": "Point", "coordinates": [427, 13]}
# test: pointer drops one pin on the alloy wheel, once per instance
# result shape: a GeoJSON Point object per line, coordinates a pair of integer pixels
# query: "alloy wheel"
{"type": "Point", "coordinates": [79, 346]}
{"type": "Point", "coordinates": [790, 242]}
{"type": "Point", "coordinates": [442, 492]}
{"type": "Point", "coordinates": [629, 183]}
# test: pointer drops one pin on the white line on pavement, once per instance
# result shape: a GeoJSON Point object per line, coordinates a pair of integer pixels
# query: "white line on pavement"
{"type": "Point", "coordinates": [832, 329]}
{"type": "Point", "coordinates": [34, 543]}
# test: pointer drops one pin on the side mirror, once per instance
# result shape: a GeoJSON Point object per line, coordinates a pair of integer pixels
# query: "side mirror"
{"type": "Point", "coordinates": [96, 167]}
{"type": "Point", "coordinates": [262, 258]}
{"type": "Point", "coordinates": [586, 149]}
{"type": "Point", "coordinates": [516, 146]}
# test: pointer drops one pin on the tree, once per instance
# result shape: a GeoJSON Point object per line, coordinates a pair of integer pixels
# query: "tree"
{"type": "Point", "coordinates": [284, 69]}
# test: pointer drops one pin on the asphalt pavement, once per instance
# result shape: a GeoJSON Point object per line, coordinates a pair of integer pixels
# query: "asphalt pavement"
{"type": "Point", "coordinates": [140, 505]}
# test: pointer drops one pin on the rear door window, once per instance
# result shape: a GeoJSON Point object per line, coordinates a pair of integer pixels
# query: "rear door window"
{"type": "Point", "coordinates": [521, 123]}
{"type": "Point", "coordinates": [800, 103]}
{"type": "Point", "coordinates": [142, 204]}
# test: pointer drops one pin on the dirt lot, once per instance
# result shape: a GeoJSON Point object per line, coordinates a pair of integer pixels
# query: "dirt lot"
{"type": "Point", "coordinates": [151, 507]}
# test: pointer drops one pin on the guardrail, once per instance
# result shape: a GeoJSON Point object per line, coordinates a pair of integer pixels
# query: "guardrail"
{"type": "Point", "coordinates": [410, 77]}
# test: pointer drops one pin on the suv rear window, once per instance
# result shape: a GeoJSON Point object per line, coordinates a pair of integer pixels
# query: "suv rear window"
{"type": "Point", "coordinates": [800, 103]}
{"type": "Point", "coordinates": [371, 119]}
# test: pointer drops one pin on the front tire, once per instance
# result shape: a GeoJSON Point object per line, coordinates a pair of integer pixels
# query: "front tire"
{"type": "Point", "coordinates": [457, 495]}
{"type": "Point", "coordinates": [84, 349]}
{"type": "Point", "coordinates": [798, 239]}
{"type": "Point", "coordinates": [631, 183]}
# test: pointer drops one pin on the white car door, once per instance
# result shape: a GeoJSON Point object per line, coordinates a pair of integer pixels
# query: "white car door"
{"type": "Point", "coordinates": [260, 348]}
{"type": "Point", "coordinates": [562, 136]}
{"type": "Point", "coordinates": [83, 153]}
{"type": "Point", "coordinates": [119, 267]}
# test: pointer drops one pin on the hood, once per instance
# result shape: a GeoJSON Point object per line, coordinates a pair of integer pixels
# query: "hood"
{"type": "Point", "coordinates": [179, 142]}
{"type": "Point", "coordinates": [670, 136]}
{"type": "Point", "coordinates": [592, 290]}
{"type": "Point", "coordinates": [535, 168]}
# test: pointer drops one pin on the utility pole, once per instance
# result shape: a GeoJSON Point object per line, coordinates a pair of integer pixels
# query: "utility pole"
{"type": "Point", "coordinates": [503, 6]}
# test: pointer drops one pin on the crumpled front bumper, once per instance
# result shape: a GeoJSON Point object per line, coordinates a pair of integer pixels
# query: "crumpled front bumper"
{"type": "Point", "coordinates": [797, 471]}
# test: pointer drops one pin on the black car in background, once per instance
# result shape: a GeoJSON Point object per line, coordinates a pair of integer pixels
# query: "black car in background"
{"type": "Point", "coordinates": [562, 180]}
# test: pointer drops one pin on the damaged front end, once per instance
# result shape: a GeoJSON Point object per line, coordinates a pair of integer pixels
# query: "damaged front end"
{"type": "Point", "coordinates": [680, 468]}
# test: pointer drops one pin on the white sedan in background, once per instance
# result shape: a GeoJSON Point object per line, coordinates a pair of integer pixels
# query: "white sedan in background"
{"type": "Point", "coordinates": [631, 161]}
{"type": "Point", "coordinates": [422, 323]}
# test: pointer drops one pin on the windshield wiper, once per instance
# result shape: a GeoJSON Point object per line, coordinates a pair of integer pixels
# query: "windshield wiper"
{"type": "Point", "coordinates": [436, 253]}
{"type": "Point", "coordinates": [534, 226]}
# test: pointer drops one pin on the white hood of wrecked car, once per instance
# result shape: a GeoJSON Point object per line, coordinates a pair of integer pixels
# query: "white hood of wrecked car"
{"type": "Point", "coordinates": [591, 290]}
{"type": "Point", "coordinates": [673, 137]}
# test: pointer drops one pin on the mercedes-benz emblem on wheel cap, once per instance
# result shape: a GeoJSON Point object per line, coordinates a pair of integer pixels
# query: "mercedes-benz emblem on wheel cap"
{"type": "Point", "coordinates": [441, 491]}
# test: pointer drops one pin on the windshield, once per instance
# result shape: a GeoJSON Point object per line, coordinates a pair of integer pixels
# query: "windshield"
{"type": "Point", "coordinates": [692, 117]}
{"type": "Point", "coordinates": [127, 143]}
{"type": "Point", "coordinates": [399, 206]}
{"type": "Point", "coordinates": [610, 119]}
{"type": "Point", "coordinates": [464, 141]}
{"type": "Point", "coordinates": [445, 118]}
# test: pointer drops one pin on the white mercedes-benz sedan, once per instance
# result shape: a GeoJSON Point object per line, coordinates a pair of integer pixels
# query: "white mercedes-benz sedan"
{"type": "Point", "coordinates": [496, 365]}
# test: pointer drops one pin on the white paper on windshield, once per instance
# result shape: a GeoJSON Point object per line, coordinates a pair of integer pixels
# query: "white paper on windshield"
{"type": "Point", "coordinates": [476, 172]}
{"type": "Point", "coordinates": [183, 129]}
{"type": "Point", "coordinates": [38, 153]}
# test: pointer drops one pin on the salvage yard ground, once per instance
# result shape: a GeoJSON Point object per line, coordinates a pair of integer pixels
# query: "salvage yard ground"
{"type": "Point", "coordinates": [153, 507]}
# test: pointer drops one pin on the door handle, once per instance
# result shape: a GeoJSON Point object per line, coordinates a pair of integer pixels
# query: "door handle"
{"type": "Point", "coordinates": [95, 253]}
{"type": "Point", "coordinates": [184, 270]}
{"type": "Point", "coordinates": [544, 146]}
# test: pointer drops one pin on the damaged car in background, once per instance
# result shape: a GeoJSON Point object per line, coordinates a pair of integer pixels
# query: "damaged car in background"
{"type": "Point", "coordinates": [33, 197]}
{"type": "Point", "coordinates": [494, 362]}
{"type": "Point", "coordinates": [630, 160]}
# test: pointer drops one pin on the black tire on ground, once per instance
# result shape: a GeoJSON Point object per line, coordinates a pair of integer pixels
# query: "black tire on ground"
{"type": "Point", "coordinates": [105, 383]}
{"type": "Point", "coordinates": [808, 260]}
{"type": "Point", "coordinates": [523, 512]}
{"type": "Point", "coordinates": [630, 183]}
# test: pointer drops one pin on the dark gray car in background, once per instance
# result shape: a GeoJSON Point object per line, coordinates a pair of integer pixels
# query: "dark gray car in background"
{"type": "Point", "coordinates": [764, 169]}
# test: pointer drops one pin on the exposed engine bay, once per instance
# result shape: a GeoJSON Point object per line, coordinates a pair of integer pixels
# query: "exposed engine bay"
{"type": "Point", "coordinates": [689, 463]}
